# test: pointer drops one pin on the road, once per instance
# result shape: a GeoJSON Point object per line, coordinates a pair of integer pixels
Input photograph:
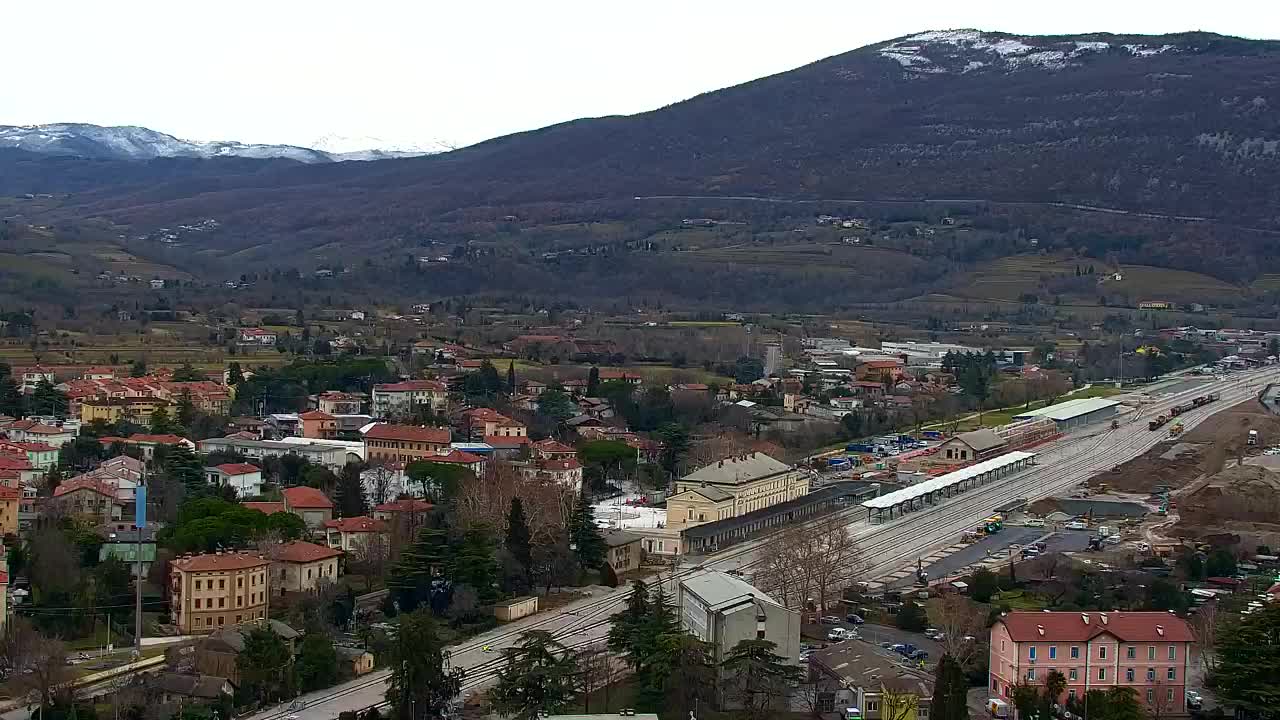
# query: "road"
{"type": "Point", "coordinates": [890, 546]}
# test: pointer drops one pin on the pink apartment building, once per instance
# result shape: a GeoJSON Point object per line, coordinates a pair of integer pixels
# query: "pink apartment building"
{"type": "Point", "coordinates": [1148, 651]}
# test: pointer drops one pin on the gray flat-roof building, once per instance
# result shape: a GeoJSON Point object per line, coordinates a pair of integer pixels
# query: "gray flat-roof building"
{"type": "Point", "coordinates": [1075, 413]}
{"type": "Point", "coordinates": [723, 610]}
{"type": "Point", "coordinates": [319, 453]}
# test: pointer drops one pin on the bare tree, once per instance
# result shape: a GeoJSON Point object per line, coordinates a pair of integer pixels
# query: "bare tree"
{"type": "Point", "coordinates": [896, 704]}
{"type": "Point", "coordinates": [1162, 705]}
{"type": "Point", "coordinates": [379, 478]}
{"type": "Point", "coordinates": [958, 618]}
{"type": "Point", "coordinates": [594, 672]}
{"type": "Point", "coordinates": [1204, 624]}
{"type": "Point", "coordinates": [810, 562]}
{"type": "Point", "coordinates": [37, 664]}
{"type": "Point", "coordinates": [370, 558]}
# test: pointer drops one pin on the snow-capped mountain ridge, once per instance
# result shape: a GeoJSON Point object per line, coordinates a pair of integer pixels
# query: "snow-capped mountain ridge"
{"type": "Point", "coordinates": [962, 51]}
{"type": "Point", "coordinates": [130, 142]}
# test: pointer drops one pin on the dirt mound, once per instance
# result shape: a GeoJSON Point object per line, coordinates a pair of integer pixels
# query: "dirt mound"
{"type": "Point", "coordinates": [1241, 501]}
{"type": "Point", "coordinates": [1202, 451]}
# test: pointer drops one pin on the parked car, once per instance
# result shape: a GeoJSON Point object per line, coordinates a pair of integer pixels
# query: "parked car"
{"type": "Point", "coordinates": [886, 645]}
{"type": "Point", "coordinates": [1194, 700]}
{"type": "Point", "coordinates": [918, 655]}
{"type": "Point", "coordinates": [840, 634]}
{"type": "Point", "coordinates": [1033, 522]}
{"type": "Point", "coordinates": [907, 649]}
{"type": "Point", "coordinates": [830, 620]}
{"type": "Point", "coordinates": [854, 618]}
{"type": "Point", "coordinates": [931, 633]}
{"type": "Point", "coordinates": [1077, 525]}
{"type": "Point", "coordinates": [897, 647]}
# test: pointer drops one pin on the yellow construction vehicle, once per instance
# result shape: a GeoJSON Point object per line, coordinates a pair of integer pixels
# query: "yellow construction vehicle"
{"type": "Point", "coordinates": [1175, 430]}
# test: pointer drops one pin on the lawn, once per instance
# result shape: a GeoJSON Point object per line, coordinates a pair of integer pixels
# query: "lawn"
{"type": "Point", "coordinates": [1009, 278]}
{"type": "Point", "coordinates": [1020, 600]}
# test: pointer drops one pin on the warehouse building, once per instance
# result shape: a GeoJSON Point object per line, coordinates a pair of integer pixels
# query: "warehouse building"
{"type": "Point", "coordinates": [1075, 413]}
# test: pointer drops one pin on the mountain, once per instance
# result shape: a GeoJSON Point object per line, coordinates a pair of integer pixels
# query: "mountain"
{"type": "Point", "coordinates": [139, 143]}
{"type": "Point", "coordinates": [344, 147]}
{"type": "Point", "coordinates": [1173, 125]}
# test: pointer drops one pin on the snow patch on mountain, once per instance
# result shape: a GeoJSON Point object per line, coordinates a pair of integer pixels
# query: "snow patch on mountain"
{"type": "Point", "coordinates": [964, 51]}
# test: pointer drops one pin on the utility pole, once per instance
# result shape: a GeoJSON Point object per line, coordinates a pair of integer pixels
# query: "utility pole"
{"type": "Point", "coordinates": [139, 520]}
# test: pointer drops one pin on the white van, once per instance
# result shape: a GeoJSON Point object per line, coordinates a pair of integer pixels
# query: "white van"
{"type": "Point", "coordinates": [1033, 522]}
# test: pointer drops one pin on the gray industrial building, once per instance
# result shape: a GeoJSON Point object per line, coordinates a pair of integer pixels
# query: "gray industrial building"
{"type": "Point", "coordinates": [723, 610]}
{"type": "Point", "coordinates": [1074, 413]}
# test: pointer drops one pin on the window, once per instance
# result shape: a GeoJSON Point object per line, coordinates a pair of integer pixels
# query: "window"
{"type": "Point", "coordinates": [1151, 674]}
{"type": "Point", "coordinates": [1031, 675]}
{"type": "Point", "coordinates": [208, 621]}
{"type": "Point", "coordinates": [1102, 652]}
{"type": "Point", "coordinates": [1075, 652]}
{"type": "Point", "coordinates": [222, 584]}
{"type": "Point", "coordinates": [1072, 674]}
{"type": "Point", "coordinates": [222, 602]}
{"type": "Point", "coordinates": [1169, 694]}
{"type": "Point", "coordinates": [1102, 673]}
{"type": "Point", "coordinates": [237, 619]}
{"type": "Point", "coordinates": [197, 603]}
{"type": "Point", "coordinates": [1151, 696]}
{"type": "Point", "coordinates": [873, 705]}
{"type": "Point", "coordinates": [239, 582]}
{"type": "Point", "coordinates": [1128, 675]}
{"type": "Point", "coordinates": [759, 634]}
{"type": "Point", "coordinates": [1173, 673]}
{"type": "Point", "coordinates": [1053, 652]}
{"type": "Point", "coordinates": [1001, 646]}
{"type": "Point", "coordinates": [1131, 652]}
{"type": "Point", "coordinates": [221, 619]}
{"type": "Point", "coordinates": [1151, 652]}
{"type": "Point", "coordinates": [994, 685]}
{"type": "Point", "coordinates": [197, 584]}
{"type": "Point", "coordinates": [1173, 652]}
{"type": "Point", "coordinates": [1031, 653]}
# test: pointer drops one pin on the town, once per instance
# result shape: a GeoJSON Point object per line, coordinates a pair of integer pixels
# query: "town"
{"type": "Point", "coordinates": [773, 523]}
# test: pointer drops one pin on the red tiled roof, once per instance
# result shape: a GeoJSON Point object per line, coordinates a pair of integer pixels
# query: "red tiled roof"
{"type": "Point", "coordinates": [315, 415]}
{"type": "Point", "coordinates": [551, 445]}
{"type": "Point", "coordinates": [42, 429]}
{"type": "Point", "coordinates": [404, 505]}
{"type": "Point", "coordinates": [85, 483]}
{"type": "Point", "coordinates": [219, 561]}
{"type": "Point", "coordinates": [1071, 626]}
{"type": "Point", "coordinates": [167, 439]}
{"type": "Point", "coordinates": [559, 465]}
{"type": "Point", "coordinates": [455, 457]}
{"type": "Point", "coordinates": [359, 524]}
{"type": "Point", "coordinates": [265, 508]}
{"type": "Point", "coordinates": [35, 446]}
{"type": "Point", "coordinates": [14, 462]}
{"type": "Point", "coordinates": [413, 433]}
{"type": "Point", "coordinates": [301, 551]}
{"type": "Point", "coordinates": [10, 493]}
{"type": "Point", "coordinates": [238, 468]}
{"type": "Point", "coordinates": [485, 414]}
{"type": "Point", "coordinates": [305, 498]}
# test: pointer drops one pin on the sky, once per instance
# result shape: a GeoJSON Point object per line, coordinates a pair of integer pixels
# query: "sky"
{"type": "Point", "coordinates": [422, 72]}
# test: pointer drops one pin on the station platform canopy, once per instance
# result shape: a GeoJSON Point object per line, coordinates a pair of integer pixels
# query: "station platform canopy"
{"type": "Point", "coordinates": [942, 482]}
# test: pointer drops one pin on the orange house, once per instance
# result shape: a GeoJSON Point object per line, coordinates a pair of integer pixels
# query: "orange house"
{"type": "Point", "coordinates": [319, 425]}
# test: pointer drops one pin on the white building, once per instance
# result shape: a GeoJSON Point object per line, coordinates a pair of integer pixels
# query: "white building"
{"type": "Point", "coordinates": [245, 478]}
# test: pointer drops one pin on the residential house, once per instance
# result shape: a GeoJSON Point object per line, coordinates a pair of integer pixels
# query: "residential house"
{"type": "Point", "coordinates": [566, 473]}
{"type": "Point", "coordinates": [318, 425]}
{"type": "Point", "coordinates": [400, 400]}
{"type": "Point", "coordinates": [10, 505]}
{"type": "Point", "coordinates": [41, 456]}
{"type": "Point", "coordinates": [147, 443]}
{"type": "Point", "coordinates": [411, 511]}
{"type": "Point", "coordinates": [969, 447]}
{"type": "Point", "coordinates": [848, 676]}
{"type": "Point", "coordinates": [882, 370]}
{"type": "Point", "coordinates": [552, 449]}
{"type": "Point", "coordinates": [245, 478]}
{"type": "Point", "coordinates": [123, 542]}
{"type": "Point", "coordinates": [354, 662]}
{"type": "Point", "coordinates": [339, 403]}
{"type": "Point", "coordinates": [217, 653]}
{"type": "Point", "coordinates": [618, 375]}
{"type": "Point", "coordinates": [91, 498]}
{"type": "Point", "coordinates": [482, 423]}
{"type": "Point", "coordinates": [137, 410]}
{"type": "Point", "coordinates": [624, 551]}
{"type": "Point", "coordinates": [299, 566]}
{"type": "Point", "coordinates": [332, 455]}
{"type": "Point", "coordinates": [257, 337]}
{"type": "Point", "coordinates": [354, 534]}
{"type": "Point", "coordinates": [1150, 652]}
{"type": "Point", "coordinates": [474, 463]}
{"type": "Point", "coordinates": [314, 507]}
{"type": "Point", "coordinates": [31, 377]}
{"type": "Point", "coordinates": [404, 443]}
{"type": "Point", "coordinates": [36, 431]}
{"type": "Point", "coordinates": [213, 590]}
{"type": "Point", "coordinates": [171, 688]}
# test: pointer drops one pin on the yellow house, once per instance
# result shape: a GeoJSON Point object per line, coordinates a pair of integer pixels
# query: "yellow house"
{"type": "Point", "coordinates": [136, 409]}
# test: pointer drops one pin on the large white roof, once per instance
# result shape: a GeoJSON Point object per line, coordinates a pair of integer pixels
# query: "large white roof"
{"type": "Point", "coordinates": [1069, 409]}
{"type": "Point", "coordinates": [897, 497]}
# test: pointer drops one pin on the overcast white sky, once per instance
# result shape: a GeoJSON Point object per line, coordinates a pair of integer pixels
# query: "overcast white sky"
{"type": "Point", "coordinates": [461, 71]}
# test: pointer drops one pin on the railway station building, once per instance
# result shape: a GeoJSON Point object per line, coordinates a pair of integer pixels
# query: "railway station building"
{"type": "Point", "coordinates": [1075, 413]}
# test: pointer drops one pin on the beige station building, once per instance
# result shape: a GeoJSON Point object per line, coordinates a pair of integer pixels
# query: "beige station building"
{"type": "Point", "coordinates": [213, 590]}
{"type": "Point", "coordinates": [732, 487]}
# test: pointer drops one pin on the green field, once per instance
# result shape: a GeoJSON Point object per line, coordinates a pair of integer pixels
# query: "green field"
{"type": "Point", "coordinates": [703, 323]}
{"type": "Point", "coordinates": [1010, 278]}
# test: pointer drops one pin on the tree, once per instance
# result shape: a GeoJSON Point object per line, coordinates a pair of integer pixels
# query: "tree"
{"type": "Point", "coordinates": [959, 620]}
{"type": "Point", "coordinates": [266, 667]}
{"type": "Point", "coordinates": [11, 400]}
{"type": "Point", "coordinates": [554, 402]}
{"type": "Point", "coordinates": [982, 585]}
{"type": "Point", "coordinates": [422, 684]}
{"type": "Point", "coordinates": [439, 481]}
{"type": "Point", "coordinates": [474, 563]}
{"type": "Point", "coordinates": [161, 422]}
{"type": "Point", "coordinates": [380, 477]}
{"type": "Point", "coordinates": [1204, 624]}
{"type": "Point", "coordinates": [1221, 563]}
{"type": "Point", "coordinates": [608, 455]}
{"type": "Point", "coordinates": [584, 535]}
{"type": "Point", "coordinates": [511, 378]}
{"type": "Point", "coordinates": [186, 416]}
{"type": "Point", "coordinates": [1055, 684]}
{"type": "Point", "coordinates": [48, 400]}
{"type": "Point", "coordinates": [896, 704]}
{"type": "Point", "coordinates": [1248, 663]}
{"type": "Point", "coordinates": [35, 663]}
{"type": "Point", "coordinates": [756, 677]}
{"type": "Point", "coordinates": [518, 541]}
{"type": "Point", "coordinates": [593, 382]}
{"type": "Point", "coordinates": [138, 368]}
{"type": "Point", "coordinates": [349, 499]}
{"type": "Point", "coordinates": [317, 662]}
{"type": "Point", "coordinates": [950, 688]}
{"type": "Point", "coordinates": [747, 370]}
{"type": "Point", "coordinates": [182, 466]}
{"type": "Point", "coordinates": [911, 617]}
{"type": "Point", "coordinates": [675, 444]}
{"type": "Point", "coordinates": [537, 677]}
{"type": "Point", "coordinates": [683, 672]}
{"type": "Point", "coordinates": [235, 375]}
{"type": "Point", "coordinates": [186, 373]}
{"type": "Point", "coordinates": [628, 624]}
{"type": "Point", "coordinates": [1026, 700]}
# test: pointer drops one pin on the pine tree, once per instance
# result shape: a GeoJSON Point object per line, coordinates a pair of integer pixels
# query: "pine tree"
{"type": "Point", "coordinates": [475, 564]}
{"type": "Point", "coordinates": [519, 542]}
{"type": "Point", "coordinates": [538, 676]}
{"type": "Point", "coordinates": [949, 691]}
{"type": "Point", "coordinates": [186, 411]}
{"type": "Point", "coordinates": [48, 400]}
{"type": "Point", "coordinates": [235, 375]}
{"type": "Point", "coordinates": [161, 424]}
{"type": "Point", "coordinates": [757, 677]}
{"type": "Point", "coordinates": [138, 368]}
{"type": "Point", "coordinates": [511, 378]}
{"type": "Point", "coordinates": [422, 684]}
{"type": "Point", "coordinates": [593, 382]}
{"type": "Point", "coordinates": [628, 624]}
{"type": "Point", "coordinates": [11, 400]}
{"type": "Point", "coordinates": [181, 465]}
{"type": "Point", "coordinates": [419, 564]}
{"type": "Point", "coordinates": [349, 492]}
{"type": "Point", "coordinates": [585, 535]}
